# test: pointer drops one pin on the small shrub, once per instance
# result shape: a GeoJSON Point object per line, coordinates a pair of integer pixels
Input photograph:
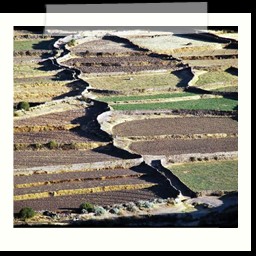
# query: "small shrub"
{"type": "Point", "coordinates": [160, 201]}
{"type": "Point", "coordinates": [170, 201]}
{"type": "Point", "coordinates": [114, 211]}
{"type": "Point", "coordinates": [73, 145]}
{"type": "Point", "coordinates": [26, 213]}
{"type": "Point", "coordinates": [72, 42]}
{"type": "Point", "coordinates": [140, 204]}
{"type": "Point", "coordinates": [19, 146]}
{"type": "Point", "coordinates": [28, 53]}
{"type": "Point", "coordinates": [131, 207]}
{"type": "Point", "coordinates": [52, 144]}
{"type": "Point", "coordinates": [87, 206]}
{"type": "Point", "coordinates": [23, 105]}
{"type": "Point", "coordinates": [38, 146]}
{"type": "Point", "coordinates": [148, 205]}
{"type": "Point", "coordinates": [77, 64]}
{"type": "Point", "coordinates": [118, 206]}
{"type": "Point", "coordinates": [192, 159]}
{"type": "Point", "coordinates": [107, 207]}
{"type": "Point", "coordinates": [99, 211]}
{"type": "Point", "coordinates": [145, 204]}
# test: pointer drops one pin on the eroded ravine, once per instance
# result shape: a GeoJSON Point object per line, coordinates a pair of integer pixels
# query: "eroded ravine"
{"type": "Point", "coordinates": [102, 110]}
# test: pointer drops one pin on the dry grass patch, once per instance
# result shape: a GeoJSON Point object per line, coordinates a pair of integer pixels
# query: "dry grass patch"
{"type": "Point", "coordinates": [138, 82]}
{"type": "Point", "coordinates": [82, 191]}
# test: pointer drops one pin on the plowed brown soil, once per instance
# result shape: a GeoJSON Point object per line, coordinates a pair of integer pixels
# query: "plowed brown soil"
{"type": "Point", "coordinates": [176, 147]}
{"type": "Point", "coordinates": [103, 198]}
{"type": "Point", "coordinates": [185, 125]}
{"type": "Point", "coordinates": [44, 137]}
{"type": "Point", "coordinates": [120, 64]}
{"type": "Point", "coordinates": [60, 118]}
{"type": "Point", "coordinates": [26, 159]}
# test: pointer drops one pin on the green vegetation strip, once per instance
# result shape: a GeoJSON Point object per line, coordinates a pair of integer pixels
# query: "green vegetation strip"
{"type": "Point", "coordinates": [36, 44]}
{"type": "Point", "coordinates": [147, 97]}
{"type": "Point", "coordinates": [202, 104]}
{"type": "Point", "coordinates": [214, 176]}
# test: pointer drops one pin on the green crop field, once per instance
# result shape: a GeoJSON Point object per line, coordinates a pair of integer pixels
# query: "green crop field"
{"type": "Point", "coordinates": [36, 44]}
{"type": "Point", "coordinates": [219, 175]}
{"type": "Point", "coordinates": [202, 104]}
{"type": "Point", "coordinates": [146, 97]}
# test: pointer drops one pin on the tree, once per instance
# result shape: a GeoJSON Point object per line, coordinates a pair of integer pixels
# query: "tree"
{"type": "Point", "coordinates": [23, 105]}
{"type": "Point", "coordinates": [26, 213]}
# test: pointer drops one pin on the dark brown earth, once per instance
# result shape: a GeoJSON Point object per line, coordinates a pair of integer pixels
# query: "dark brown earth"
{"type": "Point", "coordinates": [184, 125]}
{"type": "Point", "coordinates": [179, 146]}
{"type": "Point", "coordinates": [81, 185]}
{"type": "Point", "coordinates": [142, 174]}
{"type": "Point", "coordinates": [26, 159]}
{"type": "Point", "coordinates": [59, 118]}
{"type": "Point", "coordinates": [75, 176]}
{"type": "Point", "coordinates": [62, 136]}
{"type": "Point", "coordinates": [120, 64]}
{"type": "Point", "coordinates": [102, 46]}
{"type": "Point", "coordinates": [114, 54]}
{"type": "Point", "coordinates": [102, 198]}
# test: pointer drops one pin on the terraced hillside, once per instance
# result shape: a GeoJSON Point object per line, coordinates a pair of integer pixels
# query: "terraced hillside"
{"type": "Point", "coordinates": [177, 136]}
{"type": "Point", "coordinates": [108, 111]}
{"type": "Point", "coordinates": [119, 56]}
{"type": "Point", "coordinates": [103, 187]}
{"type": "Point", "coordinates": [51, 142]}
{"type": "Point", "coordinates": [202, 50]}
{"type": "Point", "coordinates": [36, 78]}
